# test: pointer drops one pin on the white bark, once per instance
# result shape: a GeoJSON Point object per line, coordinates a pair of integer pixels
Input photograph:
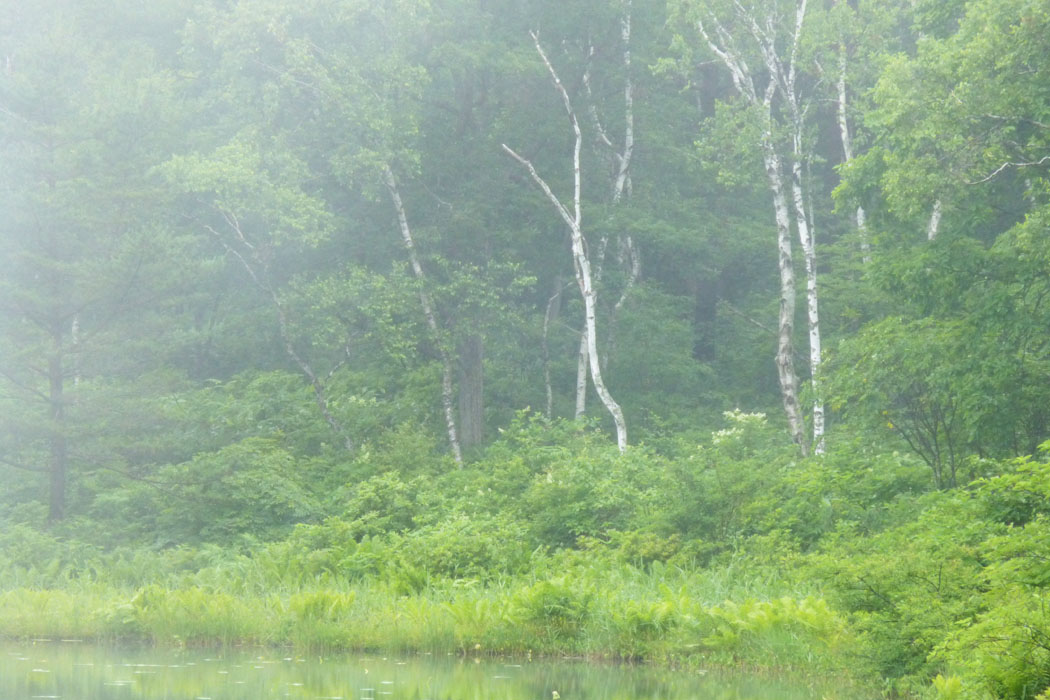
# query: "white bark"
{"type": "Point", "coordinates": [935, 222]}
{"type": "Point", "coordinates": [623, 176]}
{"type": "Point", "coordinates": [806, 238]}
{"type": "Point", "coordinates": [581, 263]}
{"type": "Point", "coordinates": [785, 357]}
{"type": "Point", "coordinates": [847, 153]}
{"type": "Point", "coordinates": [631, 257]}
{"type": "Point", "coordinates": [447, 395]}
{"type": "Point", "coordinates": [553, 305]}
{"type": "Point", "coordinates": [786, 79]}
{"type": "Point", "coordinates": [621, 186]}
{"type": "Point", "coordinates": [582, 362]}
{"type": "Point", "coordinates": [782, 79]}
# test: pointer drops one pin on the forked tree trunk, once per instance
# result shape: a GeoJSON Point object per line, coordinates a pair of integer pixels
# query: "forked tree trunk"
{"type": "Point", "coordinates": [581, 263]}
{"type": "Point", "coordinates": [621, 187]}
{"type": "Point", "coordinates": [778, 79]}
{"type": "Point", "coordinates": [786, 78]}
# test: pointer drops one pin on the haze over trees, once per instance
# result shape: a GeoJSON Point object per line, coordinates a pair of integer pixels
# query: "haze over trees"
{"type": "Point", "coordinates": [267, 263]}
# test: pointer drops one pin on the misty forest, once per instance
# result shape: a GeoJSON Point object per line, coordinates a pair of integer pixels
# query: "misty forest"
{"type": "Point", "coordinates": [695, 332]}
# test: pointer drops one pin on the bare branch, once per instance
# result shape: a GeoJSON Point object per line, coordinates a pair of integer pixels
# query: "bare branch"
{"type": "Point", "coordinates": [592, 108]}
{"type": "Point", "coordinates": [543, 186]}
{"type": "Point", "coordinates": [749, 319]}
{"type": "Point", "coordinates": [1004, 166]}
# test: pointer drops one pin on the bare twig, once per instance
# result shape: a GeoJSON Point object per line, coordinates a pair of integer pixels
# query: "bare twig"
{"type": "Point", "coordinates": [1004, 166]}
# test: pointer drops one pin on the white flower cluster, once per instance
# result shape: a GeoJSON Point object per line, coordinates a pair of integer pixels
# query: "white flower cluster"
{"type": "Point", "coordinates": [738, 421]}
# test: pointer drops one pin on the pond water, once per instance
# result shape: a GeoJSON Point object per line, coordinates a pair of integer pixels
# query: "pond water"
{"type": "Point", "coordinates": [83, 672]}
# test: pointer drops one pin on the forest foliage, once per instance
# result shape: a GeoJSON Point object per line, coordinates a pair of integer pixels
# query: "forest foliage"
{"type": "Point", "coordinates": [294, 348]}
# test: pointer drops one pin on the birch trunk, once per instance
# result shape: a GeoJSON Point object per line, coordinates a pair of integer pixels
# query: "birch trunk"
{"type": "Point", "coordinates": [935, 222]}
{"type": "Point", "coordinates": [623, 175]}
{"type": "Point", "coordinates": [629, 254]}
{"type": "Point", "coordinates": [254, 262]}
{"type": "Point", "coordinates": [806, 238]}
{"type": "Point", "coordinates": [621, 186]}
{"type": "Point", "coordinates": [785, 356]}
{"type": "Point", "coordinates": [847, 154]}
{"type": "Point", "coordinates": [582, 362]}
{"type": "Point", "coordinates": [553, 307]}
{"type": "Point", "coordinates": [786, 77]}
{"type": "Point", "coordinates": [447, 395]}
{"type": "Point", "coordinates": [782, 79]}
{"type": "Point", "coordinates": [581, 263]}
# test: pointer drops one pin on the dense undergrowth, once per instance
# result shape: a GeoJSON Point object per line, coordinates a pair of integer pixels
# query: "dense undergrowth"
{"type": "Point", "coordinates": [727, 553]}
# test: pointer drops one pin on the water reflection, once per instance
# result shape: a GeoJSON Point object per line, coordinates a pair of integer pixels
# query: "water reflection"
{"type": "Point", "coordinates": [84, 672]}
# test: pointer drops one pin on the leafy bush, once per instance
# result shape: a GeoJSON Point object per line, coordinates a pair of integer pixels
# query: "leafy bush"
{"type": "Point", "coordinates": [463, 546]}
{"type": "Point", "coordinates": [905, 588]}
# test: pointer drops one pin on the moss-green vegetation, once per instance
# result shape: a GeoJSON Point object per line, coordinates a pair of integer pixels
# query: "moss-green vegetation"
{"type": "Point", "coordinates": [234, 406]}
{"type": "Point", "coordinates": [733, 552]}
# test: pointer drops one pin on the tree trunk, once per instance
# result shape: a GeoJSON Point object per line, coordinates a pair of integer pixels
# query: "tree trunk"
{"type": "Point", "coordinates": [785, 356]}
{"type": "Point", "coordinates": [59, 452]}
{"type": "Point", "coordinates": [471, 391]}
{"type": "Point", "coordinates": [447, 399]}
{"type": "Point", "coordinates": [621, 186]}
{"type": "Point", "coordinates": [581, 263]}
{"type": "Point", "coordinates": [935, 222]}
{"type": "Point", "coordinates": [779, 78]}
{"type": "Point", "coordinates": [847, 153]}
{"type": "Point", "coordinates": [553, 308]}
{"type": "Point", "coordinates": [581, 375]}
{"type": "Point", "coordinates": [806, 238]}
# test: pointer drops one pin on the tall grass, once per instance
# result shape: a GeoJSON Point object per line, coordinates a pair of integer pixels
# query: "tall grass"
{"type": "Point", "coordinates": [562, 607]}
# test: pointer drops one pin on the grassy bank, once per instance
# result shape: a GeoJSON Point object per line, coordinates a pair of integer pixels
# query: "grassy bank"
{"type": "Point", "coordinates": [659, 616]}
{"type": "Point", "coordinates": [730, 554]}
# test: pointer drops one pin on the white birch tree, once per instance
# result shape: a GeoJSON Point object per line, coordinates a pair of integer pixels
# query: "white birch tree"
{"type": "Point", "coordinates": [447, 393]}
{"type": "Point", "coordinates": [845, 135]}
{"type": "Point", "coordinates": [581, 261]}
{"type": "Point", "coordinates": [620, 187]}
{"type": "Point", "coordinates": [737, 32]}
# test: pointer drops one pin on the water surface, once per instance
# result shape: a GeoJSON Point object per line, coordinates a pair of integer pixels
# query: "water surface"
{"type": "Point", "coordinates": [77, 671]}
